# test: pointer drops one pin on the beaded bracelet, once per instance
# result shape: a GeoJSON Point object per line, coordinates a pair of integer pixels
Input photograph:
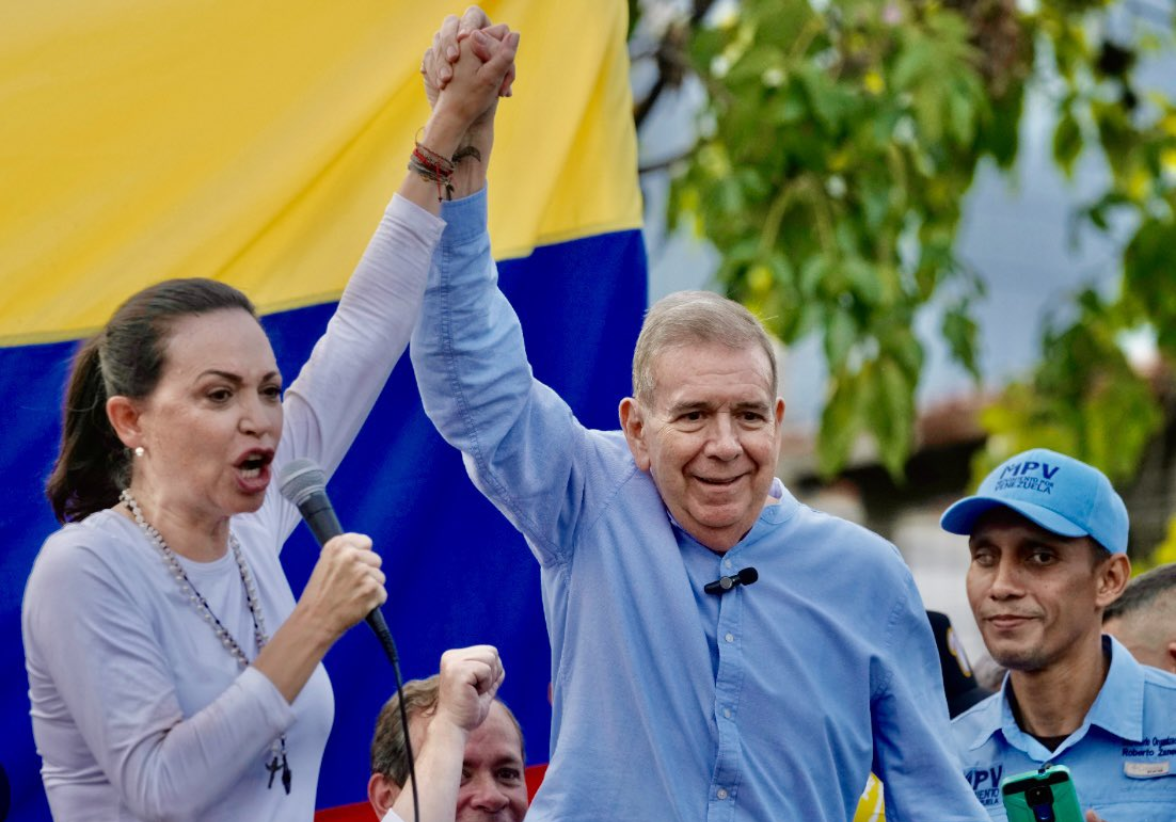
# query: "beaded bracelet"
{"type": "Point", "coordinates": [433, 167]}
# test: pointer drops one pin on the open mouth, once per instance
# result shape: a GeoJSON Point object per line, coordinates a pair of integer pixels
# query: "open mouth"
{"type": "Point", "coordinates": [254, 463]}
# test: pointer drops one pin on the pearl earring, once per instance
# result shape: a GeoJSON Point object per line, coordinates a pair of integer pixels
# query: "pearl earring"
{"type": "Point", "coordinates": [140, 450]}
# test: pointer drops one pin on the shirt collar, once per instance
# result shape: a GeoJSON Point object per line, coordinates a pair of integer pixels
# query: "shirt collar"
{"type": "Point", "coordinates": [1119, 705]}
{"type": "Point", "coordinates": [1118, 708]}
{"type": "Point", "coordinates": [988, 716]}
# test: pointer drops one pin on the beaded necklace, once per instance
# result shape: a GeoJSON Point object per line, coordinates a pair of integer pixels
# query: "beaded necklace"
{"type": "Point", "coordinates": [278, 760]}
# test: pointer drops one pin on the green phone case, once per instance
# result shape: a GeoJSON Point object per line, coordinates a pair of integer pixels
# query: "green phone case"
{"type": "Point", "coordinates": [1045, 795]}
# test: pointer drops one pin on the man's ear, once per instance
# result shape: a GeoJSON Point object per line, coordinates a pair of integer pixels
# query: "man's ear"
{"type": "Point", "coordinates": [1113, 577]}
{"type": "Point", "coordinates": [124, 415]}
{"type": "Point", "coordinates": [382, 793]}
{"type": "Point", "coordinates": [1171, 666]}
{"type": "Point", "coordinates": [779, 411]}
{"type": "Point", "coordinates": [633, 424]}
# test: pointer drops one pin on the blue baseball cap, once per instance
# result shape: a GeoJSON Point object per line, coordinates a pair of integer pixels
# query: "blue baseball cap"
{"type": "Point", "coordinates": [1059, 493]}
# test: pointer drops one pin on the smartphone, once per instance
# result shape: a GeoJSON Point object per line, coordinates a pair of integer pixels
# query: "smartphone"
{"type": "Point", "coordinates": [1044, 795]}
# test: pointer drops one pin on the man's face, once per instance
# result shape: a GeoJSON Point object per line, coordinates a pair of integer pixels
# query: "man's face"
{"type": "Point", "coordinates": [1036, 596]}
{"type": "Point", "coordinates": [710, 437]}
{"type": "Point", "coordinates": [492, 785]}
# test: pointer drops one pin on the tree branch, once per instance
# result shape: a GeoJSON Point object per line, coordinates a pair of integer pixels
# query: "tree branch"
{"type": "Point", "coordinates": [672, 60]}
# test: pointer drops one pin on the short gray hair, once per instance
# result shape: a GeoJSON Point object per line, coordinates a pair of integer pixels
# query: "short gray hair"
{"type": "Point", "coordinates": [1147, 591]}
{"type": "Point", "coordinates": [687, 317]}
{"type": "Point", "coordinates": [389, 754]}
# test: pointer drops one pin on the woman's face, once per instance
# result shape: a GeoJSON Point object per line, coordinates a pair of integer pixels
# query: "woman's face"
{"type": "Point", "coordinates": [210, 427]}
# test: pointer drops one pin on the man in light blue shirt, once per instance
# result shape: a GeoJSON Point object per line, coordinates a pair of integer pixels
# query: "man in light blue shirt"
{"type": "Point", "coordinates": [1048, 538]}
{"type": "Point", "coordinates": [678, 700]}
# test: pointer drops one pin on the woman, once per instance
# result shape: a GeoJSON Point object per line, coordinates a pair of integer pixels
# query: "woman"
{"type": "Point", "coordinates": [171, 673]}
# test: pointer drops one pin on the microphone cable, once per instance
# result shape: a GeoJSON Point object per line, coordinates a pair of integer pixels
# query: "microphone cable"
{"type": "Point", "coordinates": [389, 647]}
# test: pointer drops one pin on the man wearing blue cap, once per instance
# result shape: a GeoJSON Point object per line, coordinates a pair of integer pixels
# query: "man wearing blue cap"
{"type": "Point", "coordinates": [1048, 538]}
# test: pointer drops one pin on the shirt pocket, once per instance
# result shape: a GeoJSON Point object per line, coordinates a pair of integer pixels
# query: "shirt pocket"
{"type": "Point", "coordinates": [1145, 792]}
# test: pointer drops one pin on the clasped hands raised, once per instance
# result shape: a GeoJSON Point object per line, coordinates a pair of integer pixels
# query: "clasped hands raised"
{"type": "Point", "coordinates": [470, 64]}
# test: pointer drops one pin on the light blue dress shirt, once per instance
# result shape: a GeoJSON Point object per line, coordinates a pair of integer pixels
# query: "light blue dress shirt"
{"type": "Point", "coordinates": [772, 702]}
{"type": "Point", "coordinates": [1122, 758]}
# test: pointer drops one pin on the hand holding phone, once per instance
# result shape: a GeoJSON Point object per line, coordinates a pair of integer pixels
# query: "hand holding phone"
{"type": "Point", "coordinates": [1044, 795]}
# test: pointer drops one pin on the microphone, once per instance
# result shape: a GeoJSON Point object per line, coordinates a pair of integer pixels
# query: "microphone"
{"type": "Point", "coordinates": [303, 483]}
{"type": "Point", "coordinates": [724, 584]}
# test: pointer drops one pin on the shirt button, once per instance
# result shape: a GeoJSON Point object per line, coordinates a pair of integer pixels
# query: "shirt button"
{"type": "Point", "coordinates": [727, 713]}
{"type": "Point", "coordinates": [721, 793]}
{"type": "Point", "coordinates": [730, 637]}
{"type": "Point", "coordinates": [726, 563]}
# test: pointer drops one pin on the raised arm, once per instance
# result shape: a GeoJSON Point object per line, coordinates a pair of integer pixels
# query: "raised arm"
{"type": "Point", "coordinates": [331, 398]}
{"type": "Point", "coordinates": [348, 368]}
{"type": "Point", "coordinates": [470, 678]}
{"type": "Point", "coordinates": [524, 449]}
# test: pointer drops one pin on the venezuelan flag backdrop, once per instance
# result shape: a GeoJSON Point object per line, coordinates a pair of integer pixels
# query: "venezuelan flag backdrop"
{"type": "Point", "coordinates": [257, 142]}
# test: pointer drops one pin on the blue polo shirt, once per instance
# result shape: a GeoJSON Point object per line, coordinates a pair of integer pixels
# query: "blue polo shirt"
{"type": "Point", "coordinates": [1122, 758]}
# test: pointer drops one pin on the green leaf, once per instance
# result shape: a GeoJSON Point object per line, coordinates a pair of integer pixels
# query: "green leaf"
{"type": "Point", "coordinates": [865, 281]}
{"type": "Point", "coordinates": [840, 334]}
{"type": "Point", "coordinates": [1067, 143]}
{"type": "Point", "coordinates": [839, 425]}
{"type": "Point", "coordinates": [962, 335]}
{"type": "Point", "coordinates": [892, 419]}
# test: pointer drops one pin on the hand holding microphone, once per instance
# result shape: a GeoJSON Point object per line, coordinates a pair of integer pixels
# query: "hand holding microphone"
{"type": "Point", "coordinates": [346, 584]}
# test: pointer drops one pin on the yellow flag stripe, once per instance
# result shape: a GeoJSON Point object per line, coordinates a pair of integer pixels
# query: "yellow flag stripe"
{"type": "Point", "coordinates": [257, 143]}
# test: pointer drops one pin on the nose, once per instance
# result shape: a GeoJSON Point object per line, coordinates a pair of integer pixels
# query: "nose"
{"type": "Point", "coordinates": [1006, 583]}
{"type": "Point", "coordinates": [723, 442]}
{"type": "Point", "coordinates": [257, 417]}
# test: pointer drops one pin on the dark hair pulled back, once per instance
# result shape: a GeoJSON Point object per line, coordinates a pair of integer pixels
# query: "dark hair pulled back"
{"type": "Point", "coordinates": [125, 359]}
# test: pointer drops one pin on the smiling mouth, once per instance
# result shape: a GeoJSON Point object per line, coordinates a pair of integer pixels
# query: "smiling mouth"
{"type": "Point", "coordinates": [1007, 620]}
{"type": "Point", "coordinates": [719, 482]}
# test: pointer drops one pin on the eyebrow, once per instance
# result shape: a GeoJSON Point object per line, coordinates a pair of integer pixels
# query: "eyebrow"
{"type": "Point", "coordinates": [236, 379]}
{"type": "Point", "coordinates": [681, 407]}
{"type": "Point", "coordinates": [703, 405]}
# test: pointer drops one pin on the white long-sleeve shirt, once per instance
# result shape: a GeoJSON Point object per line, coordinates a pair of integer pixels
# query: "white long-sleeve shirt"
{"type": "Point", "coordinates": [139, 712]}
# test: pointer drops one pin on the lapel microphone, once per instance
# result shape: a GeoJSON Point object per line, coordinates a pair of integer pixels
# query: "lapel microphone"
{"type": "Point", "coordinates": [724, 584]}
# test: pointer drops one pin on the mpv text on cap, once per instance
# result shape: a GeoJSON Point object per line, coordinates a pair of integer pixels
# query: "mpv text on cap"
{"type": "Point", "coordinates": [1061, 494]}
